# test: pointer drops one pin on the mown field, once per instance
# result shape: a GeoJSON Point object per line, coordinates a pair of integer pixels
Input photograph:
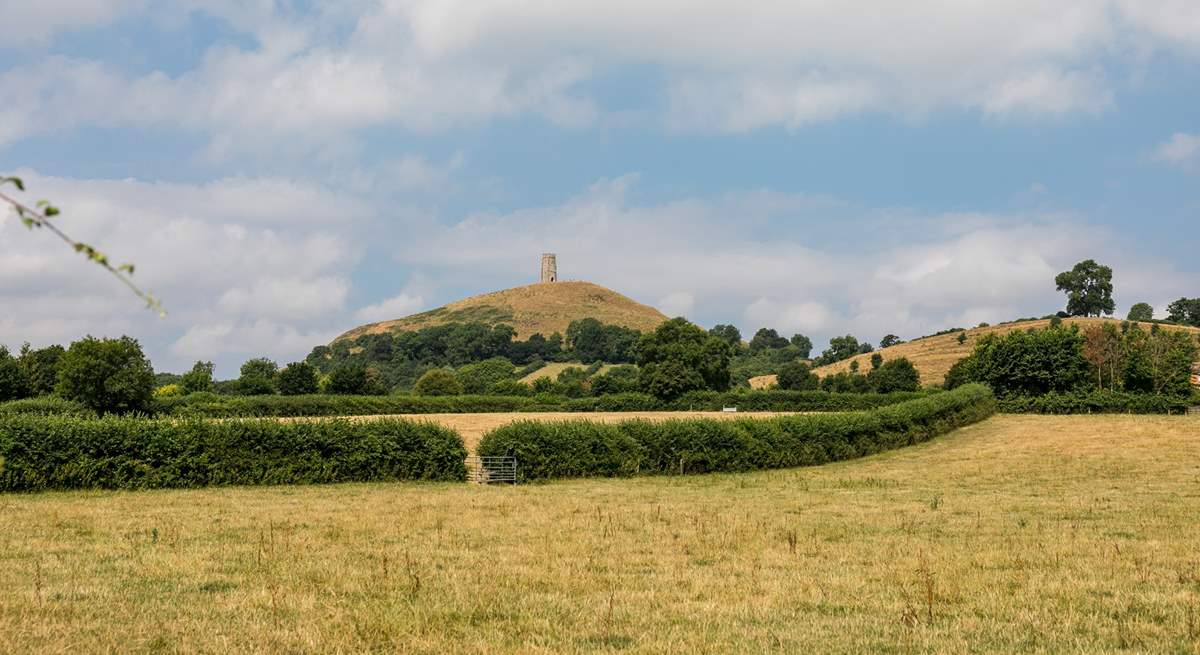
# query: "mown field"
{"type": "Point", "coordinates": [1019, 534]}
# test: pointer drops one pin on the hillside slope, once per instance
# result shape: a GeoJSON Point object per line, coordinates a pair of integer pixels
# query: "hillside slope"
{"type": "Point", "coordinates": [535, 308]}
{"type": "Point", "coordinates": [933, 356]}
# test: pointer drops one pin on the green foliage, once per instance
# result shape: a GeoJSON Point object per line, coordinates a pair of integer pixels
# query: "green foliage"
{"type": "Point", "coordinates": [106, 375]}
{"type": "Point", "coordinates": [509, 388]}
{"type": "Point", "coordinates": [44, 406]}
{"type": "Point", "coordinates": [848, 382]}
{"type": "Point", "coordinates": [843, 347]}
{"type": "Point", "coordinates": [798, 376]}
{"type": "Point", "coordinates": [895, 375]}
{"type": "Point", "coordinates": [1185, 311]}
{"type": "Point", "coordinates": [619, 379]}
{"type": "Point", "coordinates": [40, 368]}
{"type": "Point", "coordinates": [767, 339]}
{"type": "Point", "coordinates": [479, 377]}
{"type": "Point", "coordinates": [1088, 287]}
{"type": "Point", "coordinates": [1026, 362]}
{"type": "Point", "coordinates": [12, 378]}
{"type": "Point", "coordinates": [803, 345]}
{"type": "Point", "coordinates": [889, 340]}
{"type": "Point", "coordinates": [258, 377]}
{"type": "Point", "coordinates": [961, 338]}
{"type": "Point", "coordinates": [438, 382]}
{"type": "Point", "coordinates": [876, 361]}
{"type": "Point", "coordinates": [729, 334]}
{"type": "Point", "coordinates": [348, 380]}
{"type": "Point", "coordinates": [679, 357]}
{"type": "Point", "coordinates": [199, 379]}
{"type": "Point", "coordinates": [298, 379]}
{"type": "Point", "coordinates": [584, 448]}
{"type": "Point", "coordinates": [1141, 312]}
{"type": "Point", "coordinates": [41, 453]}
{"type": "Point", "coordinates": [589, 340]}
{"type": "Point", "coordinates": [1096, 401]}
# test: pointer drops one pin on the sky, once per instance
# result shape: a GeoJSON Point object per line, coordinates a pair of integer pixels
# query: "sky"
{"type": "Point", "coordinates": [280, 172]}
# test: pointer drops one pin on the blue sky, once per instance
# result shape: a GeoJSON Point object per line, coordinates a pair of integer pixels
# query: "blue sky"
{"type": "Point", "coordinates": [281, 171]}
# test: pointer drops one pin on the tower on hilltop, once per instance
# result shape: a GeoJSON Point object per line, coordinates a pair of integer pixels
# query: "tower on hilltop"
{"type": "Point", "coordinates": [549, 268]}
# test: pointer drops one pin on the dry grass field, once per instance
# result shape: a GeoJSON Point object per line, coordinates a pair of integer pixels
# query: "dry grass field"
{"type": "Point", "coordinates": [933, 356]}
{"type": "Point", "coordinates": [552, 369]}
{"type": "Point", "coordinates": [1022, 534]}
{"type": "Point", "coordinates": [544, 308]}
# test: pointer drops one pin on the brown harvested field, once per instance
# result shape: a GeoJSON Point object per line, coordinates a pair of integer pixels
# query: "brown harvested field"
{"type": "Point", "coordinates": [1022, 534]}
{"type": "Point", "coordinates": [473, 426]}
{"type": "Point", "coordinates": [552, 370]}
{"type": "Point", "coordinates": [540, 308]}
{"type": "Point", "coordinates": [933, 356]}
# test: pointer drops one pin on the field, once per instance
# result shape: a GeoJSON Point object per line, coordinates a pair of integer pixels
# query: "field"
{"type": "Point", "coordinates": [540, 308]}
{"type": "Point", "coordinates": [552, 369]}
{"type": "Point", "coordinates": [473, 426]}
{"type": "Point", "coordinates": [933, 356]}
{"type": "Point", "coordinates": [1019, 534]}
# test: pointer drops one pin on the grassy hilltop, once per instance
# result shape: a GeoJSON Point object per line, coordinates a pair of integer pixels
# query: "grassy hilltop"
{"type": "Point", "coordinates": [535, 308]}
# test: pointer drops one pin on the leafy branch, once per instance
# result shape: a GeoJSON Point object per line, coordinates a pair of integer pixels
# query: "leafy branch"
{"type": "Point", "coordinates": [39, 217]}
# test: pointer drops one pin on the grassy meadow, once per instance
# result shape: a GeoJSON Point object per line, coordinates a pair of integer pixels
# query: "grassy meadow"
{"type": "Point", "coordinates": [1020, 534]}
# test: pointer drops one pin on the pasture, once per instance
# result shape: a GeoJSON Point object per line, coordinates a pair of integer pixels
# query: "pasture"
{"type": "Point", "coordinates": [1019, 534]}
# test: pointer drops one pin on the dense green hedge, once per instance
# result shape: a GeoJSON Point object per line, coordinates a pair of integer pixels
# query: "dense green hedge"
{"type": "Point", "coordinates": [214, 406]}
{"type": "Point", "coordinates": [45, 406]}
{"type": "Point", "coordinates": [1096, 402]}
{"type": "Point", "coordinates": [39, 453]}
{"type": "Point", "coordinates": [583, 448]}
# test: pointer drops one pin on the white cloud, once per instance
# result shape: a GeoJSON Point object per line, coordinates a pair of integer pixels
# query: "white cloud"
{"type": "Point", "coordinates": [307, 87]}
{"type": "Point", "coordinates": [678, 303]}
{"type": "Point", "coordinates": [32, 22]}
{"type": "Point", "coordinates": [1181, 150]}
{"type": "Point", "coordinates": [395, 307]}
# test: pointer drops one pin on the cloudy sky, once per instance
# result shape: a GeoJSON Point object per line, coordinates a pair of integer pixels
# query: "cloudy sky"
{"type": "Point", "coordinates": [282, 171]}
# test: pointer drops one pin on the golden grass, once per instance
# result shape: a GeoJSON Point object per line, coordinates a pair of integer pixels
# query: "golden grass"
{"type": "Point", "coordinates": [934, 356]}
{"type": "Point", "coordinates": [1022, 534]}
{"type": "Point", "coordinates": [534, 308]}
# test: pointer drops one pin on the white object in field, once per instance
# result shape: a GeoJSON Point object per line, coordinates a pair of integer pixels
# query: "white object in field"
{"type": "Point", "coordinates": [728, 409]}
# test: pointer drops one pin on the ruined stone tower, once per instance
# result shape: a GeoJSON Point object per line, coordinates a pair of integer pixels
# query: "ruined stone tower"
{"type": "Point", "coordinates": [549, 268]}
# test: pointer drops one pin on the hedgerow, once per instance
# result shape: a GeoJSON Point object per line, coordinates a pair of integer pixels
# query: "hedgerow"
{"type": "Point", "coordinates": [45, 406]}
{"type": "Point", "coordinates": [1096, 402]}
{"type": "Point", "coordinates": [583, 448]}
{"type": "Point", "coordinates": [38, 453]}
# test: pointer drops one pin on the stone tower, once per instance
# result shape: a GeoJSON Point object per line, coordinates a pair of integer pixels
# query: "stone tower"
{"type": "Point", "coordinates": [549, 268]}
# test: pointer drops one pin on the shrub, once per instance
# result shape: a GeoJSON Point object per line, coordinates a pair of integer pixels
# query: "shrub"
{"type": "Point", "coordinates": [348, 380]}
{"type": "Point", "coordinates": [45, 406]}
{"type": "Point", "coordinates": [583, 448]}
{"type": "Point", "coordinates": [168, 390]}
{"type": "Point", "coordinates": [438, 382]}
{"type": "Point", "coordinates": [1102, 401]}
{"type": "Point", "coordinates": [199, 379]}
{"type": "Point", "coordinates": [895, 375]}
{"type": "Point", "coordinates": [797, 376]}
{"type": "Point", "coordinates": [12, 378]}
{"type": "Point", "coordinates": [130, 453]}
{"type": "Point", "coordinates": [107, 375]}
{"type": "Point", "coordinates": [297, 379]}
{"type": "Point", "coordinates": [258, 377]}
{"type": "Point", "coordinates": [479, 377]}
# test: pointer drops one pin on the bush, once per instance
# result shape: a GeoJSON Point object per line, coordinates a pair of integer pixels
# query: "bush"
{"type": "Point", "coordinates": [584, 448]}
{"type": "Point", "coordinates": [1096, 402]}
{"type": "Point", "coordinates": [438, 382]}
{"type": "Point", "coordinates": [297, 379]}
{"type": "Point", "coordinates": [798, 376]}
{"type": "Point", "coordinates": [477, 378]}
{"type": "Point", "coordinates": [107, 375]}
{"type": "Point", "coordinates": [348, 380]}
{"type": "Point", "coordinates": [258, 377]}
{"type": "Point", "coordinates": [12, 378]}
{"type": "Point", "coordinates": [895, 375]}
{"type": "Point", "coordinates": [38, 453]}
{"type": "Point", "coordinates": [199, 379]}
{"type": "Point", "coordinates": [45, 406]}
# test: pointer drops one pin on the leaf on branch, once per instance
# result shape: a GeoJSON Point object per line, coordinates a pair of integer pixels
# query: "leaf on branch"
{"type": "Point", "coordinates": [15, 181]}
{"type": "Point", "coordinates": [128, 268]}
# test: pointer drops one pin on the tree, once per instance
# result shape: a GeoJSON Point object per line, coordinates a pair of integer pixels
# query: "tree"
{"type": "Point", "coordinates": [298, 378]}
{"type": "Point", "coordinates": [348, 380]}
{"type": "Point", "coordinates": [803, 345]}
{"type": "Point", "coordinates": [107, 375]}
{"type": "Point", "coordinates": [12, 379]}
{"type": "Point", "coordinates": [478, 377]}
{"type": "Point", "coordinates": [1088, 287]}
{"type": "Point", "coordinates": [619, 379]}
{"type": "Point", "coordinates": [729, 334]}
{"type": "Point", "coordinates": [1185, 311]}
{"type": "Point", "coordinates": [438, 382]}
{"type": "Point", "coordinates": [889, 341]}
{"type": "Point", "coordinates": [767, 339]}
{"type": "Point", "coordinates": [895, 375]}
{"type": "Point", "coordinates": [798, 376]}
{"type": "Point", "coordinates": [258, 377]}
{"type": "Point", "coordinates": [1025, 362]}
{"type": "Point", "coordinates": [40, 368]}
{"type": "Point", "coordinates": [876, 361]}
{"type": "Point", "coordinates": [1141, 312]}
{"type": "Point", "coordinates": [840, 348]}
{"type": "Point", "coordinates": [679, 357]}
{"type": "Point", "coordinates": [199, 379]}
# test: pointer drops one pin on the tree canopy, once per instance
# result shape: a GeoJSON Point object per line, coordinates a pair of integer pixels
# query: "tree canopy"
{"type": "Point", "coordinates": [1088, 287]}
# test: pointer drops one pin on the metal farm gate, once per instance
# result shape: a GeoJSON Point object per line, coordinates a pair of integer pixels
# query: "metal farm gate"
{"type": "Point", "coordinates": [486, 470]}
